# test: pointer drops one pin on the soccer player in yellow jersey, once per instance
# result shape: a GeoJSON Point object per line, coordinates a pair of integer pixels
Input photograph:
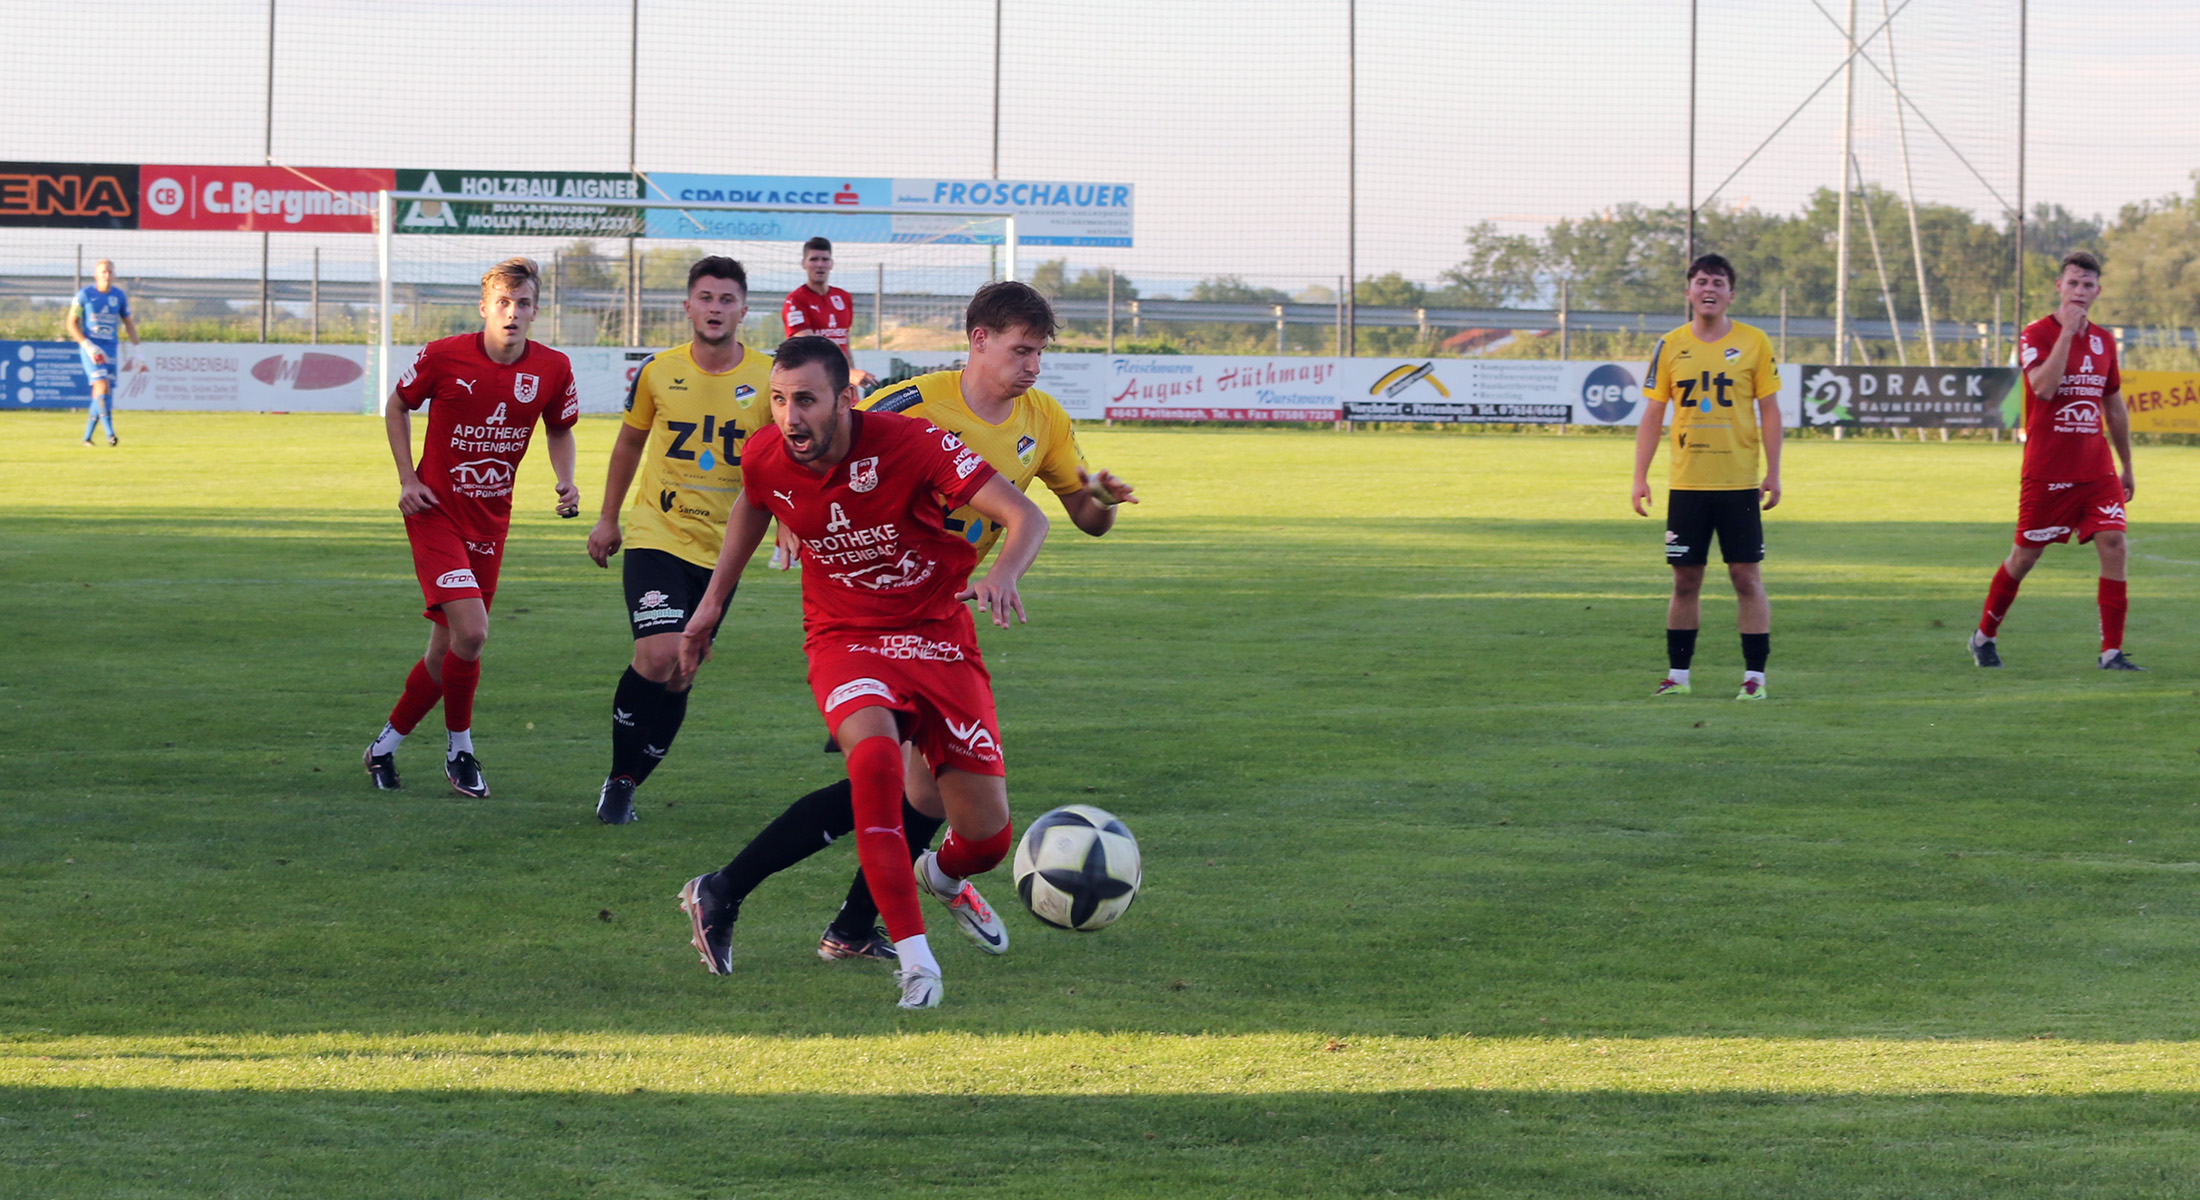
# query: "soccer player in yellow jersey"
{"type": "Point", "coordinates": [1024, 434]}
{"type": "Point", "coordinates": [686, 415]}
{"type": "Point", "coordinates": [1723, 384]}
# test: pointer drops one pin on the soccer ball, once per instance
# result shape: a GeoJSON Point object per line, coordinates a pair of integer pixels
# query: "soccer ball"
{"type": "Point", "coordinates": [1077, 868]}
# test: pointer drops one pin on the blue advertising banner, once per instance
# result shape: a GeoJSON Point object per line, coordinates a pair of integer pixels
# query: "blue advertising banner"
{"type": "Point", "coordinates": [1047, 214]}
{"type": "Point", "coordinates": [45, 375]}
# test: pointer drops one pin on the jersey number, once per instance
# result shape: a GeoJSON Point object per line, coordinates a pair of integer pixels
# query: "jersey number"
{"type": "Point", "coordinates": [729, 434]}
{"type": "Point", "coordinates": [1713, 386]}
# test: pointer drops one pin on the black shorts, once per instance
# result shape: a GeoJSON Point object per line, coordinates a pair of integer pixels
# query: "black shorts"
{"type": "Point", "coordinates": [661, 590]}
{"type": "Point", "coordinates": [1692, 517]}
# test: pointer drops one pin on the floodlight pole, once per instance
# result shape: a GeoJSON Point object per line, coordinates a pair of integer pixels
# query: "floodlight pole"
{"type": "Point", "coordinates": [385, 218]}
{"type": "Point", "coordinates": [1690, 247]}
{"type": "Point", "coordinates": [1351, 332]}
{"type": "Point", "coordinates": [267, 155]}
{"type": "Point", "coordinates": [1009, 240]}
{"type": "Point", "coordinates": [1841, 244]}
{"type": "Point", "coordinates": [2023, 61]}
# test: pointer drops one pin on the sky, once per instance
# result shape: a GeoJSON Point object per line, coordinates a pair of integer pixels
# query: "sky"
{"type": "Point", "coordinates": [1229, 117]}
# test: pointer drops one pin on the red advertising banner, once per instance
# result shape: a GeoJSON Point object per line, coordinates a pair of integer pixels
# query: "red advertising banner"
{"type": "Point", "coordinates": [257, 199]}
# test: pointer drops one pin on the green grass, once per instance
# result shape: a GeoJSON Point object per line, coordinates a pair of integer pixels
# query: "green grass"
{"type": "Point", "coordinates": [1437, 902]}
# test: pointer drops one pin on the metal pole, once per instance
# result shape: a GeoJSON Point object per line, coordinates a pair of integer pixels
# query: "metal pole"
{"type": "Point", "coordinates": [267, 155]}
{"type": "Point", "coordinates": [79, 266]}
{"type": "Point", "coordinates": [1565, 321]}
{"type": "Point", "coordinates": [2024, 23]}
{"type": "Point", "coordinates": [632, 335]}
{"type": "Point", "coordinates": [557, 298]}
{"type": "Point", "coordinates": [1909, 196]}
{"type": "Point", "coordinates": [1691, 243]}
{"type": "Point", "coordinates": [1841, 246]}
{"type": "Point", "coordinates": [1879, 263]}
{"type": "Point", "coordinates": [1783, 323]}
{"type": "Point", "coordinates": [878, 308]}
{"type": "Point", "coordinates": [385, 216]}
{"type": "Point", "coordinates": [263, 286]}
{"type": "Point", "coordinates": [1279, 329]}
{"type": "Point", "coordinates": [1010, 239]}
{"type": "Point", "coordinates": [313, 326]}
{"type": "Point", "coordinates": [1340, 316]}
{"type": "Point", "coordinates": [1351, 331]}
{"type": "Point", "coordinates": [997, 91]}
{"type": "Point", "coordinates": [1111, 310]}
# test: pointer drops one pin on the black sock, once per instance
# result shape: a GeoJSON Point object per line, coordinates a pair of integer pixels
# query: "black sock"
{"type": "Point", "coordinates": [658, 725]}
{"type": "Point", "coordinates": [1680, 648]}
{"type": "Point", "coordinates": [631, 703]}
{"type": "Point", "coordinates": [1756, 648]}
{"type": "Point", "coordinates": [858, 913]}
{"type": "Point", "coordinates": [808, 826]}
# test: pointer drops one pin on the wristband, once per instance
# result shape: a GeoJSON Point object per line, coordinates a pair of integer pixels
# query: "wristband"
{"type": "Point", "coordinates": [1099, 491]}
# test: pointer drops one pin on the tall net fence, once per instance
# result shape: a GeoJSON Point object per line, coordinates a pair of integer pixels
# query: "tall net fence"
{"type": "Point", "coordinates": [1438, 166]}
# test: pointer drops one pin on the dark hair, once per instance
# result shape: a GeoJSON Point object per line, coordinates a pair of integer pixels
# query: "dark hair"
{"type": "Point", "coordinates": [806, 349]}
{"type": "Point", "coordinates": [2081, 259]}
{"type": "Point", "coordinates": [718, 266]}
{"type": "Point", "coordinates": [1713, 264]}
{"type": "Point", "coordinates": [1004, 305]}
{"type": "Point", "coordinates": [817, 243]}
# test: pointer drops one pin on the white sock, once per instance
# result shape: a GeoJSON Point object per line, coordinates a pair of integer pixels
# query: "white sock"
{"type": "Point", "coordinates": [1758, 677]}
{"type": "Point", "coordinates": [1979, 638]}
{"type": "Point", "coordinates": [387, 741]}
{"type": "Point", "coordinates": [939, 880]}
{"type": "Point", "coordinates": [1679, 676]}
{"type": "Point", "coordinates": [2109, 654]}
{"type": "Point", "coordinates": [916, 955]}
{"type": "Point", "coordinates": [462, 742]}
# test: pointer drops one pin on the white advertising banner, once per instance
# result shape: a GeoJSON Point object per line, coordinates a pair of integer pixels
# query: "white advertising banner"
{"type": "Point", "coordinates": [245, 377]}
{"type": "Point", "coordinates": [1074, 380]}
{"type": "Point", "coordinates": [1171, 387]}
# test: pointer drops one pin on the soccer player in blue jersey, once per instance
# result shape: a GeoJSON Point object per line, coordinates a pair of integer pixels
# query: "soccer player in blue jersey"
{"type": "Point", "coordinates": [97, 317]}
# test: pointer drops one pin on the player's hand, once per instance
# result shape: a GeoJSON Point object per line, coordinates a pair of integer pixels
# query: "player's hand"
{"type": "Point", "coordinates": [695, 640]}
{"type": "Point", "coordinates": [604, 541]}
{"type": "Point", "coordinates": [99, 357]}
{"type": "Point", "coordinates": [862, 379]}
{"type": "Point", "coordinates": [1771, 490]}
{"type": "Point", "coordinates": [1106, 487]}
{"type": "Point", "coordinates": [997, 597]}
{"type": "Point", "coordinates": [415, 497]}
{"type": "Point", "coordinates": [569, 499]}
{"type": "Point", "coordinates": [2072, 317]}
{"type": "Point", "coordinates": [786, 549]}
{"type": "Point", "coordinates": [1642, 499]}
{"type": "Point", "coordinates": [2131, 486]}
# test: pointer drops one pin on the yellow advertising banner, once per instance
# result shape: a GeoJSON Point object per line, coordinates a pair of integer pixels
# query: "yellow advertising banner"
{"type": "Point", "coordinates": [2163, 401]}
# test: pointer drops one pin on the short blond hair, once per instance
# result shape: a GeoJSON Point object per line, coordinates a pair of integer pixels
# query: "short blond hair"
{"type": "Point", "coordinates": [511, 273]}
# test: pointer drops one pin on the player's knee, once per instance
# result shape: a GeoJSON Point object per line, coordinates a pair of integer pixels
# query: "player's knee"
{"type": "Point", "coordinates": [2110, 540]}
{"type": "Point", "coordinates": [984, 854]}
{"type": "Point", "coordinates": [468, 641]}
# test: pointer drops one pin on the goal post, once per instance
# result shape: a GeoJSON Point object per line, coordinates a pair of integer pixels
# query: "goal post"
{"type": "Point", "coordinates": [599, 287]}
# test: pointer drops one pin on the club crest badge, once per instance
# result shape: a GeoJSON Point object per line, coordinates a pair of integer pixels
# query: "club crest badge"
{"type": "Point", "coordinates": [524, 387]}
{"type": "Point", "coordinates": [863, 474]}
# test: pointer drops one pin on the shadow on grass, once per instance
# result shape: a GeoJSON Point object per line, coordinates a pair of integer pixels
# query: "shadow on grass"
{"type": "Point", "coordinates": [153, 1144]}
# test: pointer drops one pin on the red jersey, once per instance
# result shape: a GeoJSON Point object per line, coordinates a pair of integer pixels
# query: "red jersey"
{"type": "Point", "coordinates": [876, 551]}
{"type": "Point", "coordinates": [827, 316]}
{"type": "Point", "coordinates": [2064, 434]}
{"type": "Point", "coordinates": [481, 419]}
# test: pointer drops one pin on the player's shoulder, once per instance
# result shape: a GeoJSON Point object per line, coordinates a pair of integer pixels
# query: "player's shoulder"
{"type": "Point", "coordinates": [912, 394]}
{"type": "Point", "coordinates": [1044, 406]}
{"type": "Point", "coordinates": [552, 358]}
{"type": "Point", "coordinates": [1752, 334]}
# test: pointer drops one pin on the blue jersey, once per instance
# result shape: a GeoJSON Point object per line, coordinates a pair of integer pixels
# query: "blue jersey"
{"type": "Point", "coordinates": [101, 314]}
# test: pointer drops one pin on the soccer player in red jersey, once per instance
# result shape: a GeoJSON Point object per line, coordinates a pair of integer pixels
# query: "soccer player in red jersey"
{"type": "Point", "coordinates": [2073, 393]}
{"type": "Point", "coordinates": [484, 392]}
{"type": "Point", "coordinates": [822, 310]}
{"type": "Point", "coordinates": [893, 652]}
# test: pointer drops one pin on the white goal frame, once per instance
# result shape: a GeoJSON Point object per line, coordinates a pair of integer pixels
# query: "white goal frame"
{"type": "Point", "coordinates": [385, 221]}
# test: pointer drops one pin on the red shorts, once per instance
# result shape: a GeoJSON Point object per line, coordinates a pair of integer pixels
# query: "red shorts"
{"type": "Point", "coordinates": [449, 566]}
{"type": "Point", "coordinates": [930, 673]}
{"type": "Point", "coordinates": [2051, 512]}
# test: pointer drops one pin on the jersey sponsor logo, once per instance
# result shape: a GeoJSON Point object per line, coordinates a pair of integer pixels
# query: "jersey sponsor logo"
{"type": "Point", "coordinates": [498, 417]}
{"type": "Point", "coordinates": [786, 498]}
{"type": "Point", "coordinates": [1024, 446]}
{"type": "Point", "coordinates": [2031, 355]}
{"type": "Point", "coordinates": [838, 303]}
{"type": "Point", "coordinates": [483, 477]}
{"type": "Point", "coordinates": [910, 646]}
{"type": "Point", "coordinates": [652, 599]}
{"type": "Point", "coordinates": [620, 716]}
{"type": "Point", "coordinates": [666, 498]}
{"type": "Point", "coordinates": [854, 688]}
{"type": "Point", "coordinates": [461, 578]}
{"type": "Point", "coordinates": [484, 549]}
{"type": "Point", "coordinates": [906, 572]}
{"type": "Point", "coordinates": [967, 464]}
{"type": "Point", "coordinates": [744, 395]}
{"type": "Point", "coordinates": [468, 384]}
{"type": "Point", "coordinates": [862, 477]}
{"type": "Point", "coordinates": [795, 316]}
{"type": "Point", "coordinates": [2096, 340]}
{"type": "Point", "coordinates": [2047, 534]}
{"type": "Point", "coordinates": [2114, 512]}
{"type": "Point", "coordinates": [572, 409]}
{"type": "Point", "coordinates": [975, 737]}
{"type": "Point", "coordinates": [2056, 487]}
{"type": "Point", "coordinates": [2078, 416]}
{"type": "Point", "coordinates": [2086, 367]}
{"type": "Point", "coordinates": [524, 388]}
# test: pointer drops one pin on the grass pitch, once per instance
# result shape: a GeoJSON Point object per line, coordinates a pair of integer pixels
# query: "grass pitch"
{"type": "Point", "coordinates": [1437, 901]}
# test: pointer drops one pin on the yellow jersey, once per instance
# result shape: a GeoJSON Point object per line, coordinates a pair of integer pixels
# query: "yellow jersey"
{"type": "Point", "coordinates": [1036, 441]}
{"type": "Point", "coordinates": [1714, 388]}
{"type": "Point", "coordinates": [691, 467]}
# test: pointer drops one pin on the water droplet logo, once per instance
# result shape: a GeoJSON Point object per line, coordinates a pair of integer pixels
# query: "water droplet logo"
{"type": "Point", "coordinates": [708, 461]}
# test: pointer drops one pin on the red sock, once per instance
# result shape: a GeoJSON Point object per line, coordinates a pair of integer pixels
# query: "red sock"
{"type": "Point", "coordinates": [1999, 597]}
{"type": "Point", "coordinates": [2113, 607]}
{"type": "Point", "coordinates": [874, 778]}
{"type": "Point", "coordinates": [421, 693]}
{"type": "Point", "coordinates": [960, 858]}
{"type": "Point", "coordinates": [460, 677]}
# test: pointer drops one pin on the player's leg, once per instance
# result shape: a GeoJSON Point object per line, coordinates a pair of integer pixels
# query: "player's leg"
{"type": "Point", "coordinates": [650, 702]}
{"type": "Point", "coordinates": [872, 736]}
{"type": "Point", "coordinates": [1687, 549]}
{"type": "Point", "coordinates": [1741, 532]}
{"type": "Point", "coordinates": [441, 563]}
{"type": "Point", "coordinates": [2103, 524]}
{"type": "Point", "coordinates": [99, 412]}
{"type": "Point", "coordinates": [468, 631]}
{"type": "Point", "coordinates": [957, 729]}
{"type": "Point", "coordinates": [854, 931]}
{"type": "Point", "coordinates": [2042, 510]}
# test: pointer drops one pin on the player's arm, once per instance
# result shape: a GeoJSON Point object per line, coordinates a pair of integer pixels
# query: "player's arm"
{"type": "Point", "coordinates": [1092, 509]}
{"type": "Point", "coordinates": [129, 326]}
{"type": "Point", "coordinates": [1023, 529]}
{"type": "Point", "coordinates": [2117, 417]}
{"type": "Point", "coordinates": [563, 455]}
{"type": "Point", "coordinates": [1769, 432]}
{"type": "Point", "coordinates": [745, 525]}
{"type": "Point", "coordinates": [413, 496]}
{"type": "Point", "coordinates": [76, 329]}
{"type": "Point", "coordinates": [2046, 376]}
{"type": "Point", "coordinates": [857, 375]}
{"type": "Point", "coordinates": [1647, 435]}
{"type": "Point", "coordinates": [626, 457]}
